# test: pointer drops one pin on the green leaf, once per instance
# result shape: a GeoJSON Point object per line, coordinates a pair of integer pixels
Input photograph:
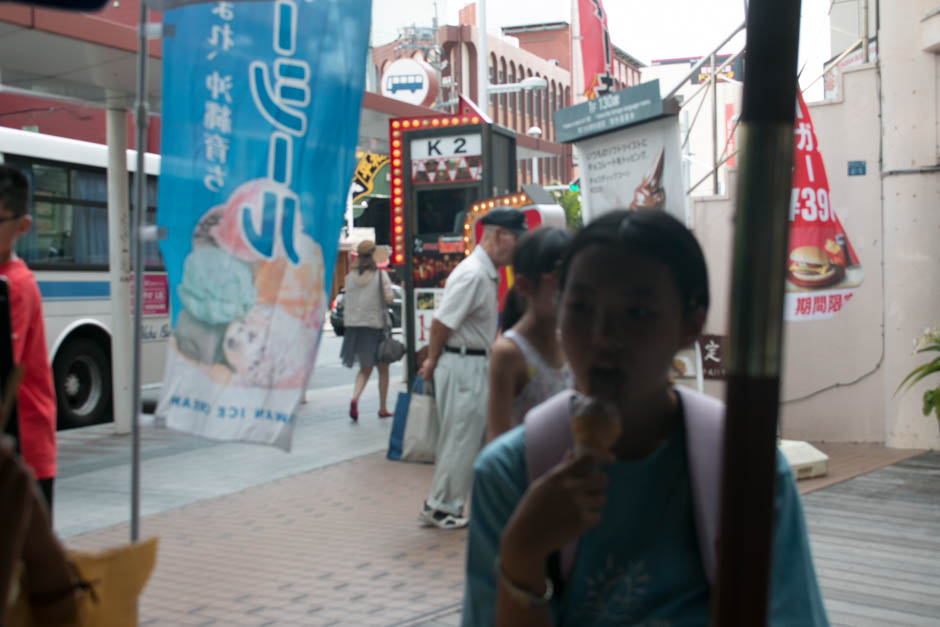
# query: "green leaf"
{"type": "Point", "coordinates": [919, 373]}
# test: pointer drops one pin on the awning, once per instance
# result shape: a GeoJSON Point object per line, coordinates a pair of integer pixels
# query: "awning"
{"type": "Point", "coordinates": [80, 57]}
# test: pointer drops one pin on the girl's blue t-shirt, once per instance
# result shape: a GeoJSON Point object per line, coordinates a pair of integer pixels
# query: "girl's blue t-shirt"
{"type": "Point", "coordinates": [641, 565]}
{"type": "Point", "coordinates": [656, 581]}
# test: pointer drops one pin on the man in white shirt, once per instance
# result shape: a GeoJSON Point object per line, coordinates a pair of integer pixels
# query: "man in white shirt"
{"type": "Point", "coordinates": [462, 331]}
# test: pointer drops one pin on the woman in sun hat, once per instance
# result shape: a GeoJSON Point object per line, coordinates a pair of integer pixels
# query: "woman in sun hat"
{"type": "Point", "coordinates": [368, 294]}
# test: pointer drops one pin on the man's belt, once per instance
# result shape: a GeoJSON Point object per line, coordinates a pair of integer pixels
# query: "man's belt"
{"type": "Point", "coordinates": [463, 350]}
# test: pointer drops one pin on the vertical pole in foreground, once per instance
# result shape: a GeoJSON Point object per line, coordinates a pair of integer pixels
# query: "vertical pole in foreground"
{"type": "Point", "coordinates": [756, 325]}
{"type": "Point", "coordinates": [140, 207]}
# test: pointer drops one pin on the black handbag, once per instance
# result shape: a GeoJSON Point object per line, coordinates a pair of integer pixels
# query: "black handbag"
{"type": "Point", "coordinates": [389, 349]}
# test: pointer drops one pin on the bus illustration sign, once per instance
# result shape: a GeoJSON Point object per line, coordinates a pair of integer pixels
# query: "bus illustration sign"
{"type": "Point", "coordinates": [410, 80]}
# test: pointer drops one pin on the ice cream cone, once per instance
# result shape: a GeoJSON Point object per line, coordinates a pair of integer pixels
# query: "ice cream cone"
{"type": "Point", "coordinates": [595, 425]}
{"type": "Point", "coordinates": [650, 194]}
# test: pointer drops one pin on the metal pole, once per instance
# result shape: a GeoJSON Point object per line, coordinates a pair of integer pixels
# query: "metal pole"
{"type": "Point", "coordinates": [409, 320]}
{"type": "Point", "coordinates": [137, 217]}
{"type": "Point", "coordinates": [686, 169]}
{"type": "Point", "coordinates": [120, 265]}
{"type": "Point", "coordinates": [571, 42]}
{"type": "Point", "coordinates": [350, 215]}
{"type": "Point", "coordinates": [865, 53]}
{"type": "Point", "coordinates": [714, 82]}
{"type": "Point", "coordinates": [483, 73]}
{"type": "Point", "coordinates": [756, 321]}
{"type": "Point", "coordinates": [698, 64]}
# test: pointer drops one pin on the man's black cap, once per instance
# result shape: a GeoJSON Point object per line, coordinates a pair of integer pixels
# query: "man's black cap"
{"type": "Point", "coordinates": [511, 219]}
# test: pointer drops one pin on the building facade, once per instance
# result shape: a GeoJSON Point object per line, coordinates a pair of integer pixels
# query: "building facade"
{"type": "Point", "coordinates": [841, 374]}
{"type": "Point", "coordinates": [534, 50]}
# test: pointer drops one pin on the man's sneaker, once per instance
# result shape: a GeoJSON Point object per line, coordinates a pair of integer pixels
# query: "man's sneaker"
{"type": "Point", "coordinates": [426, 514]}
{"type": "Point", "coordinates": [439, 519]}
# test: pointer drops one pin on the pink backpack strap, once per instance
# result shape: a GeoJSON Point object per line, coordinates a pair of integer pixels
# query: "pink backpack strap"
{"type": "Point", "coordinates": [704, 431]}
{"type": "Point", "coordinates": [547, 437]}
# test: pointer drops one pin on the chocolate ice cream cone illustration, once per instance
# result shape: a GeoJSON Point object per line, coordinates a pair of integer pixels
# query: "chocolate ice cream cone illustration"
{"type": "Point", "coordinates": [650, 194]}
{"type": "Point", "coordinates": [595, 425]}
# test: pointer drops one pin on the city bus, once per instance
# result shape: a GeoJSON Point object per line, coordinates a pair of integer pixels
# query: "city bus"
{"type": "Point", "coordinates": [67, 250]}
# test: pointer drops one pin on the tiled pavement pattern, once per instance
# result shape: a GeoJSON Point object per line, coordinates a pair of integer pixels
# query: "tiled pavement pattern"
{"type": "Point", "coordinates": [92, 487]}
{"type": "Point", "coordinates": [340, 545]}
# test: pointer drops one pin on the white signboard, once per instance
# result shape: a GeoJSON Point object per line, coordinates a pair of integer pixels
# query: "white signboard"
{"type": "Point", "coordinates": [444, 147]}
{"type": "Point", "coordinates": [633, 168]}
{"type": "Point", "coordinates": [409, 80]}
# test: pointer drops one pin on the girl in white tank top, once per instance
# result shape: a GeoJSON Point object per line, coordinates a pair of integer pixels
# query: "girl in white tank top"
{"type": "Point", "coordinates": [527, 365]}
{"type": "Point", "coordinates": [544, 381]}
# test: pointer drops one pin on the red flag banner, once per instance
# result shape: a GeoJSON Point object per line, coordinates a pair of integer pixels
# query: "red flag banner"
{"type": "Point", "coordinates": [823, 270]}
{"type": "Point", "coordinates": [596, 49]}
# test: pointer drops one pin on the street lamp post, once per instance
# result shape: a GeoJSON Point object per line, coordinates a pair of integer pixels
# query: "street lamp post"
{"type": "Point", "coordinates": [484, 88]}
{"type": "Point", "coordinates": [535, 132]}
{"type": "Point", "coordinates": [526, 84]}
{"type": "Point", "coordinates": [483, 74]}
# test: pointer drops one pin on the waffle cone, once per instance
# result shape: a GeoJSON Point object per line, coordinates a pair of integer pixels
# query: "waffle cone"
{"type": "Point", "coordinates": [594, 426]}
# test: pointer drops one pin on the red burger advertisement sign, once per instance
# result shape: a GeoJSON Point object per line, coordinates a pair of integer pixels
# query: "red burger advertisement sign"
{"type": "Point", "coordinates": [823, 271]}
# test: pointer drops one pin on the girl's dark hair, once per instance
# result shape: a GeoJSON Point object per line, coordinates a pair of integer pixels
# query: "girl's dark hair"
{"type": "Point", "coordinates": [539, 252]}
{"type": "Point", "coordinates": [655, 234]}
{"type": "Point", "coordinates": [513, 308]}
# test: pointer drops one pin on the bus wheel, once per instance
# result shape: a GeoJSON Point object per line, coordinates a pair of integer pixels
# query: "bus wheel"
{"type": "Point", "coordinates": [82, 372]}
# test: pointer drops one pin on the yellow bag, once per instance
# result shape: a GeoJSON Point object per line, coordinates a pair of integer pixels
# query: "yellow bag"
{"type": "Point", "coordinates": [117, 577]}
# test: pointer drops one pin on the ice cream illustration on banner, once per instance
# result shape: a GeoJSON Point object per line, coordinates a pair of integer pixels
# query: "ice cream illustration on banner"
{"type": "Point", "coordinates": [823, 270]}
{"type": "Point", "coordinates": [650, 194]}
{"type": "Point", "coordinates": [265, 348]}
{"type": "Point", "coordinates": [240, 228]}
{"type": "Point", "coordinates": [595, 425]}
{"type": "Point", "coordinates": [247, 317]}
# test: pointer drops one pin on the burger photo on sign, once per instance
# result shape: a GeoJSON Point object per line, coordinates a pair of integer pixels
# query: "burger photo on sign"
{"type": "Point", "coordinates": [810, 266]}
{"type": "Point", "coordinates": [820, 252]}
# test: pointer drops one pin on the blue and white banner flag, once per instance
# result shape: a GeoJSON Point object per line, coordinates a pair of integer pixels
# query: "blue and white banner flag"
{"type": "Point", "coordinates": [259, 127]}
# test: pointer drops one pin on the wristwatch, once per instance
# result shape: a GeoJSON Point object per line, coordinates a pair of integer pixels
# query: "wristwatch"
{"type": "Point", "coordinates": [524, 597]}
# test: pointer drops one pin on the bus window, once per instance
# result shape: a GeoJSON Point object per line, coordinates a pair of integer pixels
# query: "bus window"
{"type": "Point", "coordinates": [49, 180]}
{"type": "Point", "coordinates": [70, 216]}
{"type": "Point", "coordinates": [69, 207]}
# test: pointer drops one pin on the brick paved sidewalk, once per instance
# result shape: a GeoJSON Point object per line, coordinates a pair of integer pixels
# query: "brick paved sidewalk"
{"type": "Point", "coordinates": [337, 546]}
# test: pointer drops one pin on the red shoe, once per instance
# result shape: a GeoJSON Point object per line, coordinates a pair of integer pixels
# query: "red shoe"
{"type": "Point", "coordinates": [353, 410]}
{"type": "Point", "coordinates": [385, 414]}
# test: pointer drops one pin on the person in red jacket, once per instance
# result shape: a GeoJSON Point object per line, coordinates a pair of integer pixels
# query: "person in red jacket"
{"type": "Point", "coordinates": [36, 404]}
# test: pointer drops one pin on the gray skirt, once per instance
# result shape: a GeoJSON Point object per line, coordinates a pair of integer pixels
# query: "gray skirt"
{"type": "Point", "coordinates": [360, 344]}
